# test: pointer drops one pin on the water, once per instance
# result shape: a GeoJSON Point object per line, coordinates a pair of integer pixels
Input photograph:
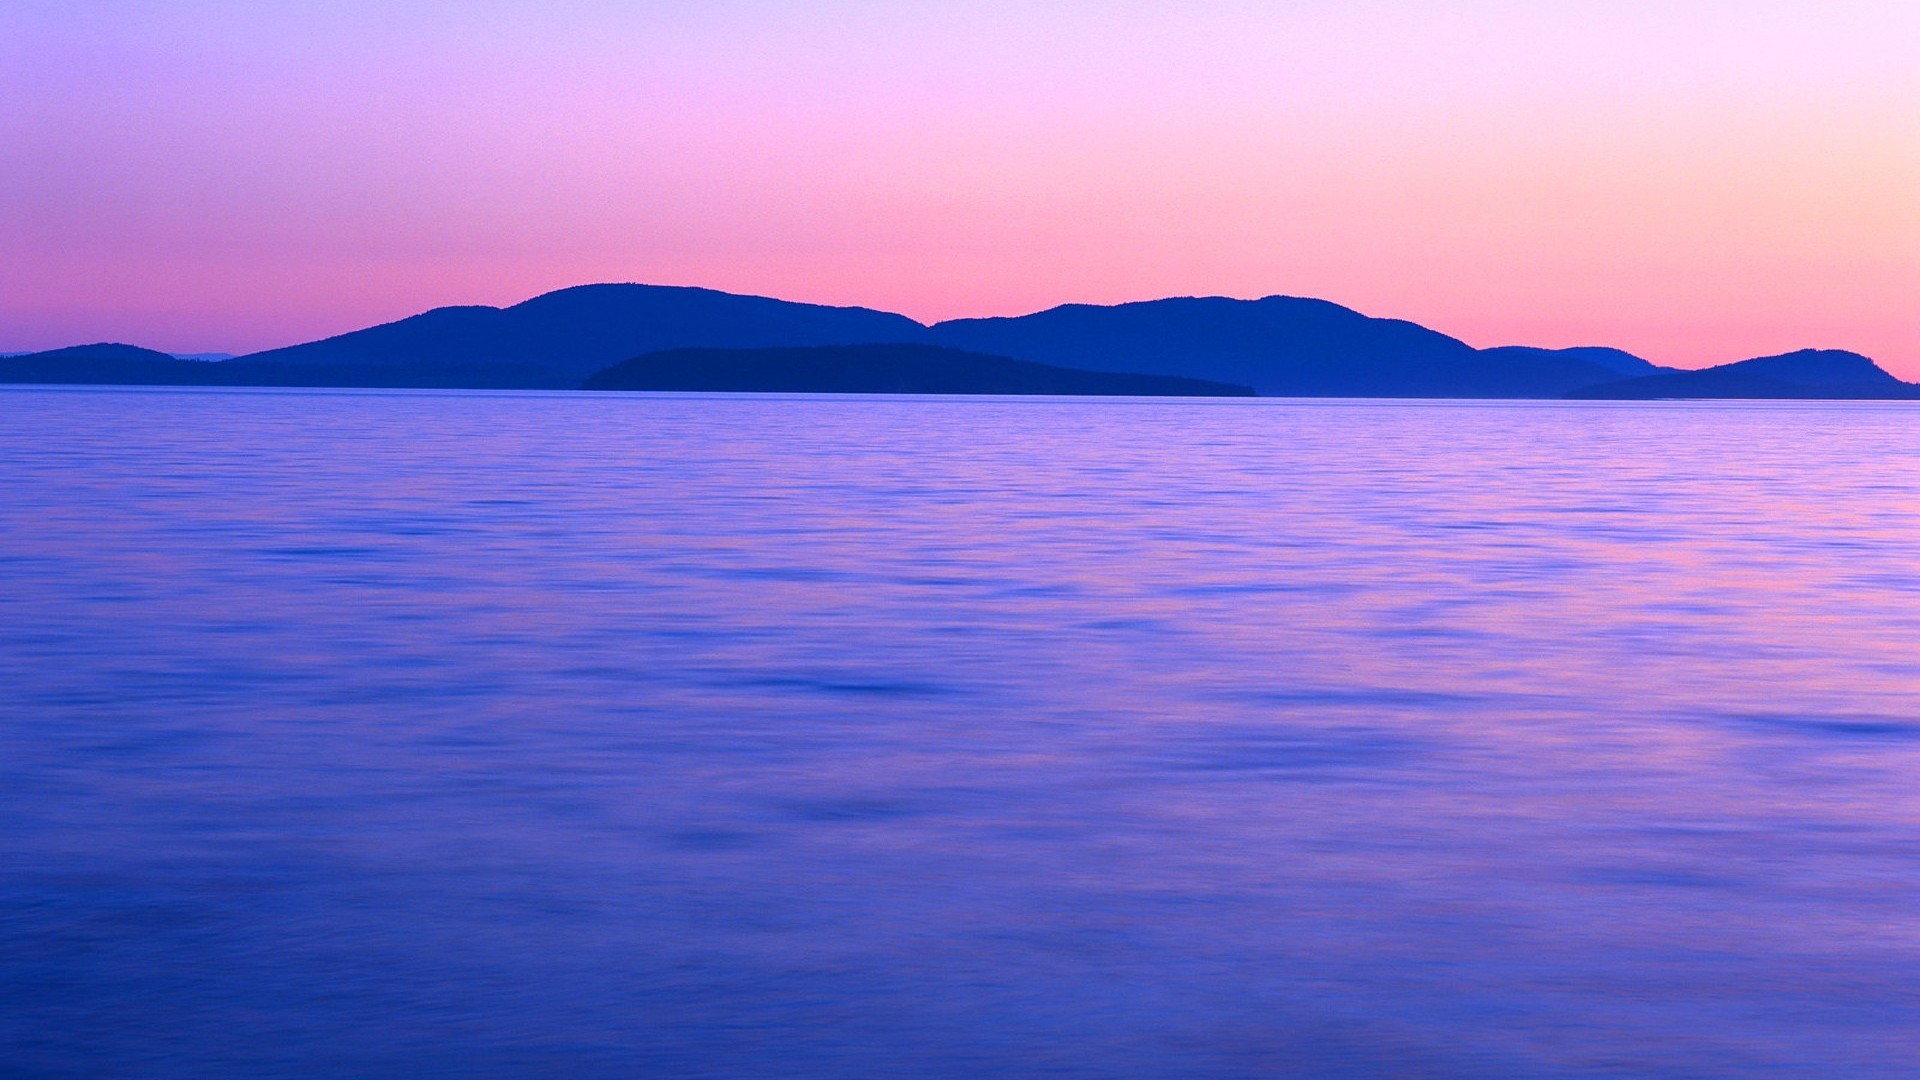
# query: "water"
{"type": "Point", "coordinates": [465, 734]}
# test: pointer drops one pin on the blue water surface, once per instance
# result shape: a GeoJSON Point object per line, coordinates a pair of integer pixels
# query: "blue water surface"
{"type": "Point", "coordinates": [409, 734]}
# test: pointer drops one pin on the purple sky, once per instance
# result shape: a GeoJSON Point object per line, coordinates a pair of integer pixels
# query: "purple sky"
{"type": "Point", "coordinates": [1696, 181]}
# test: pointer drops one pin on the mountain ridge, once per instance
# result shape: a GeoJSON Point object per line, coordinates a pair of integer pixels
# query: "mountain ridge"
{"type": "Point", "coordinates": [560, 337]}
{"type": "Point", "coordinates": [1804, 374]}
{"type": "Point", "coordinates": [1280, 345]}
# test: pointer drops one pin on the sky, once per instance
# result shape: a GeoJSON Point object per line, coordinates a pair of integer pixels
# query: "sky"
{"type": "Point", "coordinates": [1697, 181]}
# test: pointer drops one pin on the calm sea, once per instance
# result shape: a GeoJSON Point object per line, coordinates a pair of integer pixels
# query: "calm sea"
{"type": "Point", "coordinates": [413, 734]}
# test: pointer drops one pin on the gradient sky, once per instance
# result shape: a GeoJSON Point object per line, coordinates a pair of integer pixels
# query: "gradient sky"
{"type": "Point", "coordinates": [1696, 181]}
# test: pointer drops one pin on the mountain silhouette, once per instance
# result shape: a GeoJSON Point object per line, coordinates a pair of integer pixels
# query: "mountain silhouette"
{"type": "Point", "coordinates": [105, 350]}
{"type": "Point", "coordinates": [557, 339]}
{"type": "Point", "coordinates": [1808, 373]}
{"type": "Point", "coordinates": [880, 369]}
{"type": "Point", "coordinates": [128, 365]}
{"type": "Point", "coordinates": [1280, 346]}
{"type": "Point", "coordinates": [1622, 363]}
{"type": "Point", "coordinates": [105, 362]}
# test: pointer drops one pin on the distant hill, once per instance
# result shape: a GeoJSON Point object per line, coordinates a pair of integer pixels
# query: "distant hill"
{"type": "Point", "coordinates": [1280, 346]}
{"type": "Point", "coordinates": [106, 362]}
{"type": "Point", "coordinates": [125, 365]}
{"type": "Point", "coordinates": [106, 350]}
{"type": "Point", "coordinates": [881, 369]}
{"type": "Point", "coordinates": [1618, 361]}
{"type": "Point", "coordinates": [1809, 373]}
{"type": "Point", "coordinates": [558, 339]}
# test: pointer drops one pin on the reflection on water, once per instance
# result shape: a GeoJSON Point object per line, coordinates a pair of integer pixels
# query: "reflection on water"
{"type": "Point", "coordinates": [409, 734]}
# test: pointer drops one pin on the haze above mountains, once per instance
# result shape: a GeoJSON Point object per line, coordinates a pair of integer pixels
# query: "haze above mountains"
{"type": "Point", "coordinates": [1277, 347]}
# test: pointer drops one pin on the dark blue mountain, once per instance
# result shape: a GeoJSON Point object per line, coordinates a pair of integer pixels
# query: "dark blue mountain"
{"type": "Point", "coordinates": [881, 369]}
{"type": "Point", "coordinates": [1818, 367]}
{"type": "Point", "coordinates": [105, 362]}
{"type": "Point", "coordinates": [128, 365]}
{"type": "Point", "coordinates": [105, 350]}
{"type": "Point", "coordinates": [558, 339]}
{"type": "Point", "coordinates": [1280, 346]}
{"type": "Point", "coordinates": [1618, 361]}
{"type": "Point", "coordinates": [1809, 373]}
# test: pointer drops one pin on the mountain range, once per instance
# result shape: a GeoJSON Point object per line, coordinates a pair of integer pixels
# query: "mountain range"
{"type": "Point", "coordinates": [1277, 346]}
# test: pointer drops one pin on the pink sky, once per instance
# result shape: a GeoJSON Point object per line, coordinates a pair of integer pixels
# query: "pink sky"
{"type": "Point", "coordinates": [1695, 181]}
